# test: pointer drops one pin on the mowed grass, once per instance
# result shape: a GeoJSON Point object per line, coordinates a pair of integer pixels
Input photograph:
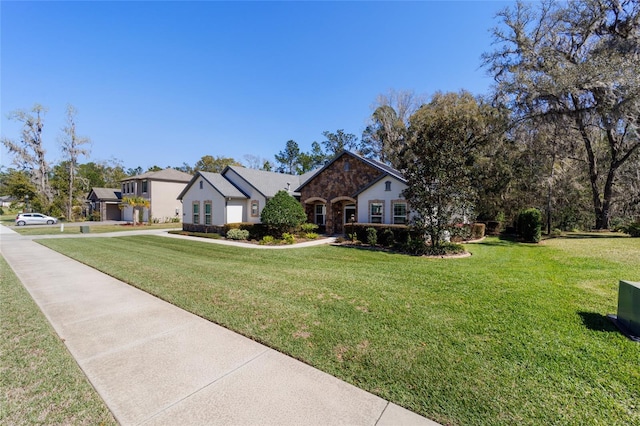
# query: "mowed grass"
{"type": "Point", "coordinates": [40, 381]}
{"type": "Point", "coordinates": [515, 334]}
{"type": "Point", "coordinates": [74, 228]}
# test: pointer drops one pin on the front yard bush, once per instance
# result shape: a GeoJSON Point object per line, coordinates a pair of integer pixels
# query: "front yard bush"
{"type": "Point", "coordinates": [372, 236]}
{"type": "Point", "coordinates": [268, 240]}
{"type": "Point", "coordinates": [283, 213]}
{"type": "Point", "coordinates": [288, 238]}
{"type": "Point", "coordinates": [311, 236]}
{"type": "Point", "coordinates": [238, 234]}
{"type": "Point", "coordinates": [530, 225]}
{"type": "Point", "coordinates": [386, 237]}
{"type": "Point", "coordinates": [308, 227]}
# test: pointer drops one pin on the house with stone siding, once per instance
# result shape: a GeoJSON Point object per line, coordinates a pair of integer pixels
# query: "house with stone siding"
{"type": "Point", "coordinates": [351, 188]}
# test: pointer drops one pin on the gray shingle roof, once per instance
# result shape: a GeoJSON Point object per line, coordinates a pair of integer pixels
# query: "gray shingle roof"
{"type": "Point", "coordinates": [107, 193]}
{"type": "Point", "coordinates": [267, 183]}
{"type": "Point", "coordinates": [167, 174]}
{"type": "Point", "coordinates": [224, 187]}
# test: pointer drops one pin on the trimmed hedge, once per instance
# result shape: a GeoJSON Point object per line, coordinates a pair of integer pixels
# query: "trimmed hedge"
{"type": "Point", "coordinates": [530, 225]}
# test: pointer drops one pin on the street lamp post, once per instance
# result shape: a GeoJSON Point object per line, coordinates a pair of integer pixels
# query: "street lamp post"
{"type": "Point", "coordinates": [353, 226]}
{"type": "Point", "coordinates": [26, 203]}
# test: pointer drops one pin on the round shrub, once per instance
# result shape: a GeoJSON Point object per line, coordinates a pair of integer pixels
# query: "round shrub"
{"type": "Point", "coordinates": [283, 213]}
{"type": "Point", "coordinates": [238, 234]}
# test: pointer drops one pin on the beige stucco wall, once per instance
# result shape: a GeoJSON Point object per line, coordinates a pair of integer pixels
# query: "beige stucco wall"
{"type": "Point", "coordinates": [164, 203]}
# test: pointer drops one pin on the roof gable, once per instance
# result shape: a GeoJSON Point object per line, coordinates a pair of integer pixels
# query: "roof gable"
{"type": "Point", "coordinates": [383, 168]}
{"type": "Point", "coordinates": [266, 183]}
{"type": "Point", "coordinates": [218, 182]}
{"type": "Point", "coordinates": [105, 194]}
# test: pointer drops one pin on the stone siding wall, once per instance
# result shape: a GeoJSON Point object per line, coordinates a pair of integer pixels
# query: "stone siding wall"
{"type": "Point", "coordinates": [337, 180]}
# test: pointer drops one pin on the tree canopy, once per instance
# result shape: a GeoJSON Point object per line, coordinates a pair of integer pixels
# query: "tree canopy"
{"type": "Point", "coordinates": [576, 62]}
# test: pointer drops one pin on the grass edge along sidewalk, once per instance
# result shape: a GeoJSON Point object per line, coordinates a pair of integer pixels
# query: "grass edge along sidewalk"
{"type": "Point", "coordinates": [515, 334]}
{"type": "Point", "coordinates": [40, 380]}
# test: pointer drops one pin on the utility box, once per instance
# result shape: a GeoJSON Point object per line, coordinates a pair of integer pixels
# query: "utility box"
{"type": "Point", "coordinates": [628, 318]}
{"type": "Point", "coordinates": [84, 229]}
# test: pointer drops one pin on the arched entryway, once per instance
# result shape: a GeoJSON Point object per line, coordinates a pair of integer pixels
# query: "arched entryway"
{"type": "Point", "coordinates": [342, 208]}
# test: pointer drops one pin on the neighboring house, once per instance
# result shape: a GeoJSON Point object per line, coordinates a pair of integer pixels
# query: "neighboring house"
{"type": "Point", "coordinates": [236, 195]}
{"type": "Point", "coordinates": [106, 202]}
{"type": "Point", "coordinates": [6, 200]}
{"type": "Point", "coordinates": [161, 189]}
{"type": "Point", "coordinates": [353, 188]}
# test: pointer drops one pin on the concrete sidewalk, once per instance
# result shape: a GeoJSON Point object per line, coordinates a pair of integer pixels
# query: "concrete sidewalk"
{"type": "Point", "coordinates": [156, 364]}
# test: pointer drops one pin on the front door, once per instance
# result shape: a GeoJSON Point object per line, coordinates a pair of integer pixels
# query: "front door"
{"type": "Point", "coordinates": [349, 215]}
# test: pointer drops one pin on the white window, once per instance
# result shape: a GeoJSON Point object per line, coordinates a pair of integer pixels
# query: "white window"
{"type": "Point", "coordinates": [400, 213]}
{"type": "Point", "coordinates": [376, 209]}
{"type": "Point", "coordinates": [387, 185]}
{"type": "Point", "coordinates": [321, 212]}
{"type": "Point", "coordinates": [255, 208]}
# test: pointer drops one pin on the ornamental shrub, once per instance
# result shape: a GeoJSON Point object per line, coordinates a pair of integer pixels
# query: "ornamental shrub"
{"type": "Point", "coordinates": [311, 235]}
{"type": "Point", "coordinates": [288, 238]}
{"type": "Point", "coordinates": [238, 234]}
{"type": "Point", "coordinates": [387, 238]}
{"type": "Point", "coordinates": [308, 227]}
{"type": "Point", "coordinates": [283, 213]}
{"type": "Point", "coordinates": [530, 225]}
{"type": "Point", "coordinates": [372, 236]}
{"type": "Point", "coordinates": [267, 240]}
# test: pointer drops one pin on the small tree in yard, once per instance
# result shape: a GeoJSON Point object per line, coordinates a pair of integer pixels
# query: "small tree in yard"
{"type": "Point", "coordinates": [283, 213]}
{"type": "Point", "coordinates": [443, 143]}
{"type": "Point", "coordinates": [137, 203]}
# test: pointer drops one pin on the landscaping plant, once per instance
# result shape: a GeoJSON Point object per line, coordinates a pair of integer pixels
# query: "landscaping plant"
{"type": "Point", "coordinates": [283, 213]}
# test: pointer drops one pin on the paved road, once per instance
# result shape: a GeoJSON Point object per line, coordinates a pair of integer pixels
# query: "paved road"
{"type": "Point", "coordinates": [156, 364]}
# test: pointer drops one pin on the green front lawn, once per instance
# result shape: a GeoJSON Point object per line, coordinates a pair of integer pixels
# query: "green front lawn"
{"type": "Point", "coordinates": [40, 382]}
{"type": "Point", "coordinates": [74, 228]}
{"type": "Point", "coordinates": [515, 334]}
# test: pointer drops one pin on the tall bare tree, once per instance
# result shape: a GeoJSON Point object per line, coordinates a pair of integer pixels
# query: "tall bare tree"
{"type": "Point", "coordinates": [385, 135]}
{"type": "Point", "coordinates": [29, 153]}
{"type": "Point", "coordinates": [73, 146]}
{"type": "Point", "coordinates": [576, 60]}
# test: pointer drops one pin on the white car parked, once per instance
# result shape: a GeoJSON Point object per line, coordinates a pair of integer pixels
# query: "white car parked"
{"type": "Point", "coordinates": [34, 219]}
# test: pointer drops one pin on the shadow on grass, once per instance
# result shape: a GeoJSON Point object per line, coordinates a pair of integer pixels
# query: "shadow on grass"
{"type": "Point", "coordinates": [505, 241]}
{"type": "Point", "coordinates": [581, 235]}
{"type": "Point", "coordinates": [597, 322]}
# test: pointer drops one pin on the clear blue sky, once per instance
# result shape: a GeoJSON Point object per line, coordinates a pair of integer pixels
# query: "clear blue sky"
{"type": "Point", "coordinates": [162, 83]}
